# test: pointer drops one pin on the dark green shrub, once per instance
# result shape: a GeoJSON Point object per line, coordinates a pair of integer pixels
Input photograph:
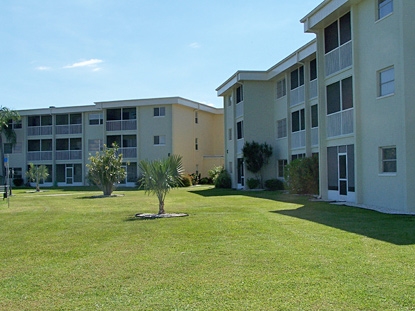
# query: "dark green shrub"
{"type": "Point", "coordinates": [301, 176]}
{"type": "Point", "coordinates": [18, 182]}
{"type": "Point", "coordinates": [253, 183]}
{"type": "Point", "coordinates": [223, 180]}
{"type": "Point", "coordinates": [186, 180]}
{"type": "Point", "coordinates": [274, 184]}
{"type": "Point", "coordinates": [206, 181]}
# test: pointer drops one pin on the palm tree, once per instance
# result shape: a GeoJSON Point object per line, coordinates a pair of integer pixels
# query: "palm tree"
{"type": "Point", "coordinates": [37, 173]}
{"type": "Point", "coordinates": [7, 115]}
{"type": "Point", "coordinates": [159, 176]}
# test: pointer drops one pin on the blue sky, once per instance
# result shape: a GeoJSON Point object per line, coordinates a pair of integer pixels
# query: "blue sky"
{"type": "Point", "coordinates": [69, 53]}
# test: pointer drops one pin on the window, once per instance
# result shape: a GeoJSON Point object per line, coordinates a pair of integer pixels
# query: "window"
{"type": "Point", "coordinates": [230, 167]}
{"type": "Point", "coordinates": [340, 96]}
{"type": "Point", "coordinates": [75, 118]}
{"type": "Point", "coordinates": [33, 121]}
{"type": "Point", "coordinates": [15, 124]}
{"type": "Point", "coordinates": [387, 82]}
{"type": "Point", "coordinates": [16, 172]}
{"type": "Point", "coordinates": [196, 144]}
{"type": "Point", "coordinates": [196, 117]}
{"type": "Point", "coordinates": [297, 77]}
{"type": "Point", "coordinates": [388, 155]}
{"type": "Point", "coordinates": [298, 121]}
{"type": "Point", "coordinates": [313, 70]}
{"type": "Point", "coordinates": [160, 140]}
{"type": "Point", "coordinates": [314, 116]}
{"type": "Point", "coordinates": [230, 100]}
{"type": "Point", "coordinates": [239, 94]}
{"type": "Point", "coordinates": [62, 119]}
{"type": "Point", "coordinates": [159, 112]}
{"type": "Point", "coordinates": [297, 156]}
{"type": "Point", "coordinates": [8, 148]}
{"type": "Point", "coordinates": [281, 88]}
{"type": "Point", "coordinates": [230, 134]}
{"type": "Point", "coordinates": [337, 33]}
{"type": "Point", "coordinates": [96, 118]}
{"type": "Point", "coordinates": [281, 168]}
{"type": "Point", "coordinates": [240, 130]}
{"type": "Point", "coordinates": [385, 7]}
{"type": "Point", "coordinates": [282, 128]}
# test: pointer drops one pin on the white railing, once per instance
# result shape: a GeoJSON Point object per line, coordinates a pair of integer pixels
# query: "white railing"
{"type": "Point", "coordinates": [39, 130]}
{"type": "Point", "coordinates": [239, 110]}
{"type": "Point", "coordinates": [339, 58]}
{"type": "Point", "coordinates": [298, 139]}
{"type": "Point", "coordinates": [314, 136]}
{"type": "Point", "coordinates": [239, 145]}
{"type": "Point", "coordinates": [340, 123]}
{"type": "Point", "coordinates": [68, 155]}
{"type": "Point", "coordinates": [69, 129]}
{"type": "Point", "coordinates": [119, 125]}
{"type": "Point", "coordinates": [297, 96]}
{"type": "Point", "coordinates": [313, 89]}
{"type": "Point", "coordinates": [128, 152]}
{"type": "Point", "coordinates": [39, 155]}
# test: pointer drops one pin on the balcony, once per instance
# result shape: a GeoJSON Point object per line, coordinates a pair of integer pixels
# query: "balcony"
{"type": "Point", "coordinates": [338, 59]}
{"type": "Point", "coordinates": [128, 152]}
{"type": "Point", "coordinates": [340, 123]}
{"type": "Point", "coordinates": [68, 129]}
{"type": "Point", "coordinates": [39, 130]}
{"type": "Point", "coordinates": [239, 110]}
{"type": "Point", "coordinates": [313, 89]}
{"type": "Point", "coordinates": [39, 156]}
{"type": "Point", "coordinates": [298, 139]}
{"type": "Point", "coordinates": [314, 136]}
{"type": "Point", "coordinates": [297, 96]}
{"type": "Point", "coordinates": [68, 155]}
{"type": "Point", "coordinates": [121, 125]}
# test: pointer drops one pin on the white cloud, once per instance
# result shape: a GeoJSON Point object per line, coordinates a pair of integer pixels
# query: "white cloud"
{"type": "Point", "coordinates": [87, 63]}
{"type": "Point", "coordinates": [194, 45]}
{"type": "Point", "coordinates": [43, 68]}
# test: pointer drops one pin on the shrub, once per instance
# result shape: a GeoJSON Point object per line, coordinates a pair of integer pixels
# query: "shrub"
{"type": "Point", "coordinates": [186, 180]}
{"type": "Point", "coordinates": [206, 181]}
{"type": "Point", "coordinates": [301, 176]}
{"type": "Point", "coordinates": [215, 172]}
{"type": "Point", "coordinates": [18, 182]}
{"type": "Point", "coordinates": [253, 183]}
{"type": "Point", "coordinates": [223, 180]}
{"type": "Point", "coordinates": [274, 184]}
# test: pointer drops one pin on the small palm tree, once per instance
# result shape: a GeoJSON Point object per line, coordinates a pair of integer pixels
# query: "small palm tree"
{"type": "Point", "coordinates": [37, 173]}
{"type": "Point", "coordinates": [7, 115]}
{"type": "Point", "coordinates": [159, 176]}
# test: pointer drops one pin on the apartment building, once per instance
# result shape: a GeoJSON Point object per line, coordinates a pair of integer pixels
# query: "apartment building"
{"type": "Point", "coordinates": [64, 138]}
{"type": "Point", "coordinates": [345, 96]}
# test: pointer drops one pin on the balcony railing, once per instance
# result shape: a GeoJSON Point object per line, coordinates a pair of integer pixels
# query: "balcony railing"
{"type": "Point", "coordinates": [297, 96]}
{"type": "Point", "coordinates": [313, 89]}
{"type": "Point", "coordinates": [314, 136]}
{"type": "Point", "coordinates": [340, 123]}
{"type": "Point", "coordinates": [39, 156]}
{"type": "Point", "coordinates": [239, 110]}
{"type": "Point", "coordinates": [68, 155]}
{"type": "Point", "coordinates": [338, 59]}
{"type": "Point", "coordinates": [128, 152]}
{"type": "Point", "coordinates": [119, 125]}
{"type": "Point", "coordinates": [39, 130]}
{"type": "Point", "coordinates": [69, 129]}
{"type": "Point", "coordinates": [298, 139]}
{"type": "Point", "coordinates": [239, 145]}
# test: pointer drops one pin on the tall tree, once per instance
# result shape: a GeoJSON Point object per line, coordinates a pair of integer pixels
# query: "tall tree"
{"type": "Point", "coordinates": [6, 116]}
{"type": "Point", "coordinates": [106, 169]}
{"type": "Point", "coordinates": [256, 156]}
{"type": "Point", "coordinates": [159, 176]}
{"type": "Point", "coordinates": [37, 173]}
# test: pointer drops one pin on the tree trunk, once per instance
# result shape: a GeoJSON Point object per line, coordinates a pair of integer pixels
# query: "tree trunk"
{"type": "Point", "coordinates": [161, 207]}
{"type": "Point", "coordinates": [107, 189]}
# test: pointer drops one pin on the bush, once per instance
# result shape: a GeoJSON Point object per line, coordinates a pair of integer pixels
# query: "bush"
{"type": "Point", "coordinates": [186, 180]}
{"type": "Point", "coordinates": [274, 184]}
{"type": "Point", "coordinates": [18, 182]}
{"type": "Point", "coordinates": [215, 172]}
{"type": "Point", "coordinates": [301, 176]}
{"type": "Point", "coordinates": [223, 180]}
{"type": "Point", "coordinates": [253, 183]}
{"type": "Point", "coordinates": [206, 181]}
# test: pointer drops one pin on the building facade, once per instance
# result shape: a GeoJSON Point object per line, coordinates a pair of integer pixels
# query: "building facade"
{"type": "Point", "coordinates": [345, 96]}
{"type": "Point", "coordinates": [64, 138]}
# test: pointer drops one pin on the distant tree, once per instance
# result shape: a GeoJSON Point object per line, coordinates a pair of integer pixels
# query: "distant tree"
{"type": "Point", "coordinates": [106, 169]}
{"type": "Point", "coordinates": [37, 173]}
{"type": "Point", "coordinates": [256, 156]}
{"type": "Point", "coordinates": [6, 116]}
{"type": "Point", "coordinates": [160, 176]}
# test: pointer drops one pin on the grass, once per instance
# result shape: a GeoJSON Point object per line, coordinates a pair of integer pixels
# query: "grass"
{"type": "Point", "coordinates": [64, 250]}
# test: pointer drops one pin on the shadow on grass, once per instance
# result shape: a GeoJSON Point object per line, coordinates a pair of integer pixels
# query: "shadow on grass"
{"type": "Point", "coordinates": [395, 229]}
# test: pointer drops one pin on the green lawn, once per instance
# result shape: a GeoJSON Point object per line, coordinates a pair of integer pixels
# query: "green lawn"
{"type": "Point", "coordinates": [65, 250]}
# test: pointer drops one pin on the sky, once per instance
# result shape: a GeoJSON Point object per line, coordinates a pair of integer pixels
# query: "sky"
{"type": "Point", "coordinates": [72, 53]}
